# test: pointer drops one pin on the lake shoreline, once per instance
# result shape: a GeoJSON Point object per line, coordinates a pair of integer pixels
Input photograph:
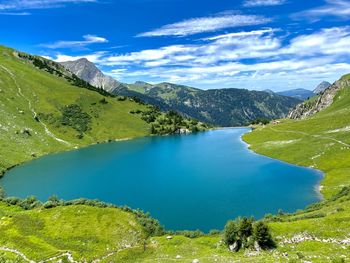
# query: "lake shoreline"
{"type": "Point", "coordinates": [235, 135]}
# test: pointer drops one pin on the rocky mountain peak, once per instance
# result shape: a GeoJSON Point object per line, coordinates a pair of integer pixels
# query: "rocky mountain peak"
{"type": "Point", "coordinates": [88, 71]}
{"type": "Point", "coordinates": [322, 87]}
{"type": "Point", "coordinates": [323, 101]}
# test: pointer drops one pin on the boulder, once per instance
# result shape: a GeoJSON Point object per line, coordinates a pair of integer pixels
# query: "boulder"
{"type": "Point", "coordinates": [234, 247]}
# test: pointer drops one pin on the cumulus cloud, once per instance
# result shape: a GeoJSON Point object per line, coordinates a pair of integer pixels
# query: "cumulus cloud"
{"type": "Point", "coordinates": [205, 24]}
{"type": "Point", "coordinates": [87, 40]}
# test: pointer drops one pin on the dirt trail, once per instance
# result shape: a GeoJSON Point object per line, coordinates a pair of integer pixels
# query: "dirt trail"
{"type": "Point", "coordinates": [316, 136]}
{"type": "Point", "coordinates": [66, 255]}
{"type": "Point", "coordinates": [35, 115]}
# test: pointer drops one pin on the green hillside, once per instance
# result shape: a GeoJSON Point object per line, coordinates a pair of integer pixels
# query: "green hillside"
{"type": "Point", "coordinates": [222, 107]}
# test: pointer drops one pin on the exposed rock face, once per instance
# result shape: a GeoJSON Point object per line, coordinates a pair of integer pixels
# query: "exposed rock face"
{"type": "Point", "coordinates": [324, 100]}
{"type": "Point", "coordinates": [87, 71]}
{"type": "Point", "coordinates": [322, 87]}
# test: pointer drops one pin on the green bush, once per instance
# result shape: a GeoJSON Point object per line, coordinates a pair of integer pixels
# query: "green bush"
{"type": "Point", "coordinates": [75, 117]}
{"type": "Point", "coordinates": [231, 233]}
{"type": "Point", "coordinates": [262, 235]}
{"type": "Point", "coordinates": [243, 232]}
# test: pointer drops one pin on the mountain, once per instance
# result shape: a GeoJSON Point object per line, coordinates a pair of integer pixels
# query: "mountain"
{"type": "Point", "coordinates": [269, 91]}
{"type": "Point", "coordinates": [319, 102]}
{"type": "Point", "coordinates": [87, 71]}
{"type": "Point", "coordinates": [223, 107]}
{"type": "Point", "coordinates": [301, 94]}
{"type": "Point", "coordinates": [322, 87]}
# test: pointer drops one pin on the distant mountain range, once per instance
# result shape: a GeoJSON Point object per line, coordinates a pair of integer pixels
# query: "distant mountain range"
{"type": "Point", "coordinates": [304, 94]}
{"type": "Point", "coordinates": [301, 94]}
{"type": "Point", "coordinates": [223, 107]}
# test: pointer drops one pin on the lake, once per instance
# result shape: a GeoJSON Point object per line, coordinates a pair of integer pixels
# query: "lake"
{"type": "Point", "coordinates": [196, 181]}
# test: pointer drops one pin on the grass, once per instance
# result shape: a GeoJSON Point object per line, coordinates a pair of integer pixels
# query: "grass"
{"type": "Point", "coordinates": [87, 232]}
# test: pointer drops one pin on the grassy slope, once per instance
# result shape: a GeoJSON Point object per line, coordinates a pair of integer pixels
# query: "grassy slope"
{"type": "Point", "coordinates": [22, 85]}
{"type": "Point", "coordinates": [86, 232]}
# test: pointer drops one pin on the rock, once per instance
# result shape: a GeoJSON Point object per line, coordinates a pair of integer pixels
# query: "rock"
{"type": "Point", "coordinates": [183, 131]}
{"type": "Point", "coordinates": [234, 247]}
{"type": "Point", "coordinates": [169, 237]}
{"type": "Point", "coordinates": [257, 246]}
{"type": "Point", "coordinates": [178, 256]}
{"type": "Point", "coordinates": [87, 71]}
{"type": "Point", "coordinates": [324, 100]}
{"type": "Point", "coordinates": [195, 261]}
{"type": "Point", "coordinates": [322, 87]}
{"type": "Point", "coordinates": [26, 132]}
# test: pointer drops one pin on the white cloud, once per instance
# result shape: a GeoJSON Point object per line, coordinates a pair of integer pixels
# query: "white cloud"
{"type": "Point", "coordinates": [95, 57]}
{"type": "Point", "coordinates": [88, 40]}
{"type": "Point", "coordinates": [15, 13]}
{"type": "Point", "coordinates": [338, 8]}
{"type": "Point", "coordinates": [242, 34]}
{"type": "Point", "coordinates": [253, 3]}
{"type": "Point", "coordinates": [259, 59]}
{"type": "Point", "coordinates": [329, 41]}
{"type": "Point", "coordinates": [205, 24]}
{"type": "Point", "coordinates": [227, 47]}
{"type": "Point", "coordinates": [38, 4]}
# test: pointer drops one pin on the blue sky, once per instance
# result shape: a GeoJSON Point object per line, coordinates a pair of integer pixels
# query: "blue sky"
{"type": "Point", "coordinates": [252, 44]}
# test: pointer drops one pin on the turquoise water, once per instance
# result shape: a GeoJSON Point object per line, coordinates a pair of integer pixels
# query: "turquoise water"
{"type": "Point", "coordinates": [192, 182]}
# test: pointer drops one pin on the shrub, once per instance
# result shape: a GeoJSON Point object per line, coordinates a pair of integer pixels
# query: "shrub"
{"type": "Point", "coordinates": [151, 226]}
{"type": "Point", "coordinates": [244, 233]}
{"type": "Point", "coordinates": [245, 230]}
{"type": "Point", "coordinates": [190, 234]}
{"type": "Point", "coordinates": [262, 235]}
{"type": "Point", "coordinates": [2, 193]}
{"type": "Point", "coordinates": [231, 233]}
{"type": "Point", "coordinates": [214, 232]}
{"type": "Point", "coordinates": [73, 116]}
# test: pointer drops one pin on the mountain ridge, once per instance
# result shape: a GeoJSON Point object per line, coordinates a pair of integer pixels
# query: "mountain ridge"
{"type": "Point", "coordinates": [223, 107]}
{"type": "Point", "coordinates": [301, 94]}
{"type": "Point", "coordinates": [322, 101]}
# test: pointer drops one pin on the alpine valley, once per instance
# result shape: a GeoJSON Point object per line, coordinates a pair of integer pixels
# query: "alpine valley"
{"type": "Point", "coordinates": [174, 131]}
